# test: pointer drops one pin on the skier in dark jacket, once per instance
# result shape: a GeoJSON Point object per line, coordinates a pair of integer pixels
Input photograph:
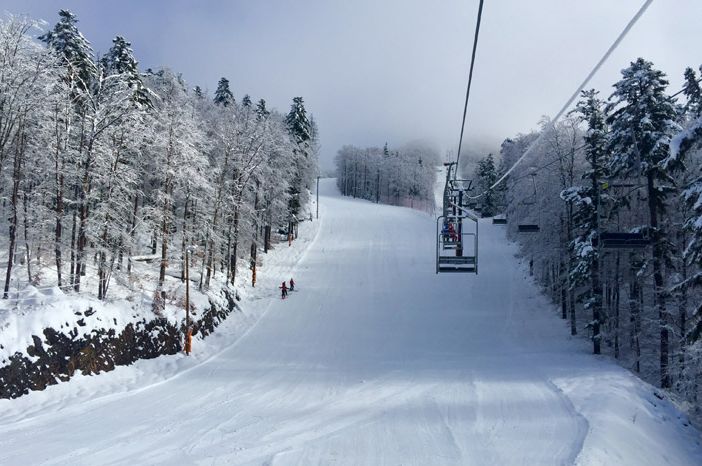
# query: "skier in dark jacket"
{"type": "Point", "coordinates": [283, 290]}
{"type": "Point", "coordinates": [292, 284]}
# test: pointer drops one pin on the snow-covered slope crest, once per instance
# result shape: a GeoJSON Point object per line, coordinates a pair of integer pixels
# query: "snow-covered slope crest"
{"type": "Point", "coordinates": [75, 316]}
{"type": "Point", "coordinates": [48, 336]}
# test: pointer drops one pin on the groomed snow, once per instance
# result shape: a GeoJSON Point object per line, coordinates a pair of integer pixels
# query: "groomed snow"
{"type": "Point", "coordinates": [373, 360]}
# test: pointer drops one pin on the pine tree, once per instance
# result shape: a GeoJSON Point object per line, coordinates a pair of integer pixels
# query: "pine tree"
{"type": "Point", "coordinates": [487, 176]}
{"type": "Point", "coordinates": [297, 121]}
{"type": "Point", "coordinates": [67, 40]}
{"type": "Point", "coordinates": [586, 200]}
{"type": "Point", "coordinates": [685, 143]}
{"type": "Point", "coordinates": [299, 128]}
{"type": "Point", "coordinates": [120, 60]}
{"type": "Point", "coordinates": [693, 93]}
{"type": "Point", "coordinates": [261, 111]}
{"type": "Point", "coordinates": [223, 96]}
{"type": "Point", "coordinates": [643, 122]}
{"type": "Point", "coordinates": [246, 101]}
{"type": "Point", "coordinates": [198, 92]}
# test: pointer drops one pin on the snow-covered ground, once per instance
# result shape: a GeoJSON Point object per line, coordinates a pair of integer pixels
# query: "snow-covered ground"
{"type": "Point", "coordinates": [373, 360]}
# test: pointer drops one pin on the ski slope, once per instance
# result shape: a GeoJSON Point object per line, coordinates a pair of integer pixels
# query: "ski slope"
{"type": "Point", "coordinates": [374, 360]}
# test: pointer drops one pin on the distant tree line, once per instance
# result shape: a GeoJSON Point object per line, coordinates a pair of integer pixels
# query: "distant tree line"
{"type": "Point", "coordinates": [616, 191]}
{"type": "Point", "coordinates": [100, 162]}
{"type": "Point", "coordinates": [406, 176]}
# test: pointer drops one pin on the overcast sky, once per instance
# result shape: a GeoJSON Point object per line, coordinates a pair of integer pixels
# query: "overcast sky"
{"type": "Point", "coordinates": [373, 71]}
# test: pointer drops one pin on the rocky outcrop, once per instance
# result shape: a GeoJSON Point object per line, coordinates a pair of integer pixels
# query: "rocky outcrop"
{"type": "Point", "coordinates": [58, 355]}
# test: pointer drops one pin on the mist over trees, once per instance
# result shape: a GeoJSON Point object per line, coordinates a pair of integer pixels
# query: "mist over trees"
{"type": "Point", "coordinates": [405, 176]}
{"type": "Point", "coordinates": [101, 163]}
{"type": "Point", "coordinates": [615, 189]}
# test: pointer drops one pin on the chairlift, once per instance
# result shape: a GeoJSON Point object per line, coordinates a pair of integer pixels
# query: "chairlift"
{"type": "Point", "coordinates": [454, 251]}
{"type": "Point", "coordinates": [531, 200]}
{"type": "Point", "coordinates": [619, 240]}
{"type": "Point", "coordinates": [461, 258]}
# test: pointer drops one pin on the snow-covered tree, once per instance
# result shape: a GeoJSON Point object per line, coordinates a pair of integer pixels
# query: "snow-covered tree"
{"type": "Point", "coordinates": [586, 201]}
{"type": "Point", "coordinates": [299, 128]}
{"type": "Point", "coordinates": [223, 95]}
{"type": "Point", "coordinates": [27, 73]}
{"type": "Point", "coordinates": [693, 93]}
{"type": "Point", "coordinates": [120, 60]}
{"type": "Point", "coordinates": [75, 49]}
{"type": "Point", "coordinates": [175, 149]}
{"type": "Point", "coordinates": [487, 176]}
{"type": "Point", "coordinates": [403, 177]}
{"type": "Point", "coordinates": [642, 123]}
{"type": "Point", "coordinates": [261, 111]}
{"type": "Point", "coordinates": [102, 162]}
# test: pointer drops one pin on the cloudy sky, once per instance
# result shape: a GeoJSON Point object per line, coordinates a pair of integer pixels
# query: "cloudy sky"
{"type": "Point", "coordinates": [373, 71]}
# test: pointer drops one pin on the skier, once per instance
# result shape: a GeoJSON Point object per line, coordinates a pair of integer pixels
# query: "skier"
{"type": "Point", "coordinates": [283, 290]}
{"type": "Point", "coordinates": [292, 284]}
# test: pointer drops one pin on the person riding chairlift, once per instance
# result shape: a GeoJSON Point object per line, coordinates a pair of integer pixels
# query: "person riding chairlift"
{"type": "Point", "coordinates": [445, 232]}
{"type": "Point", "coordinates": [452, 232]}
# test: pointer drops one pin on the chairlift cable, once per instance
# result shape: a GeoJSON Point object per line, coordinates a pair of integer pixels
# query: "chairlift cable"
{"type": "Point", "coordinates": [575, 94]}
{"type": "Point", "coordinates": [470, 80]}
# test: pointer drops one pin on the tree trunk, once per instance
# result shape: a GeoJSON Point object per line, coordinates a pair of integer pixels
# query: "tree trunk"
{"type": "Point", "coordinates": [659, 292]}
{"type": "Point", "coordinates": [266, 238]}
{"type": "Point", "coordinates": [184, 240]}
{"type": "Point", "coordinates": [58, 229]}
{"type": "Point", "coordinates": [235, 245]}
{"type": "Point", "coordinates": [16, 178]}
{"type": "Point", "coordinates": [132, 233]}
{"type": "Point", "coordinates": [617, 311]}
{"type": "Point", "coordinates": [635, 313]}
{"type": "Point", "coordinates": [82, 227]}
{"type": "Point", "coordinates": [26, 237]}
{"type": "Point", "coordinates": [164, 251]}
{"type": "Point", "coordinates": [74, 228]}
{"type": "Point", "coordinates": [682, 308]}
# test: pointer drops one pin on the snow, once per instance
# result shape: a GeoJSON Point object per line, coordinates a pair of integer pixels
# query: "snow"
{"type": "Point", "coordinates": [30, 310]}
{"type": "Point", "coordinates": [373, 360]}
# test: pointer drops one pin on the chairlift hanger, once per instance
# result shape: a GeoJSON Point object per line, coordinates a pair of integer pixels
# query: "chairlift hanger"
{"type": "Point", "coordinates": [531, 200]}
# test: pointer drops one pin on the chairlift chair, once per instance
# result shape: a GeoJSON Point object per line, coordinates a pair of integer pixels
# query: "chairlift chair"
{"type": "Point", "coordinates": [454, 253]}
{"type": "Point", "coordinates": [461, 258]}
{"type": "Point", "coordinates": [620, 240]}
